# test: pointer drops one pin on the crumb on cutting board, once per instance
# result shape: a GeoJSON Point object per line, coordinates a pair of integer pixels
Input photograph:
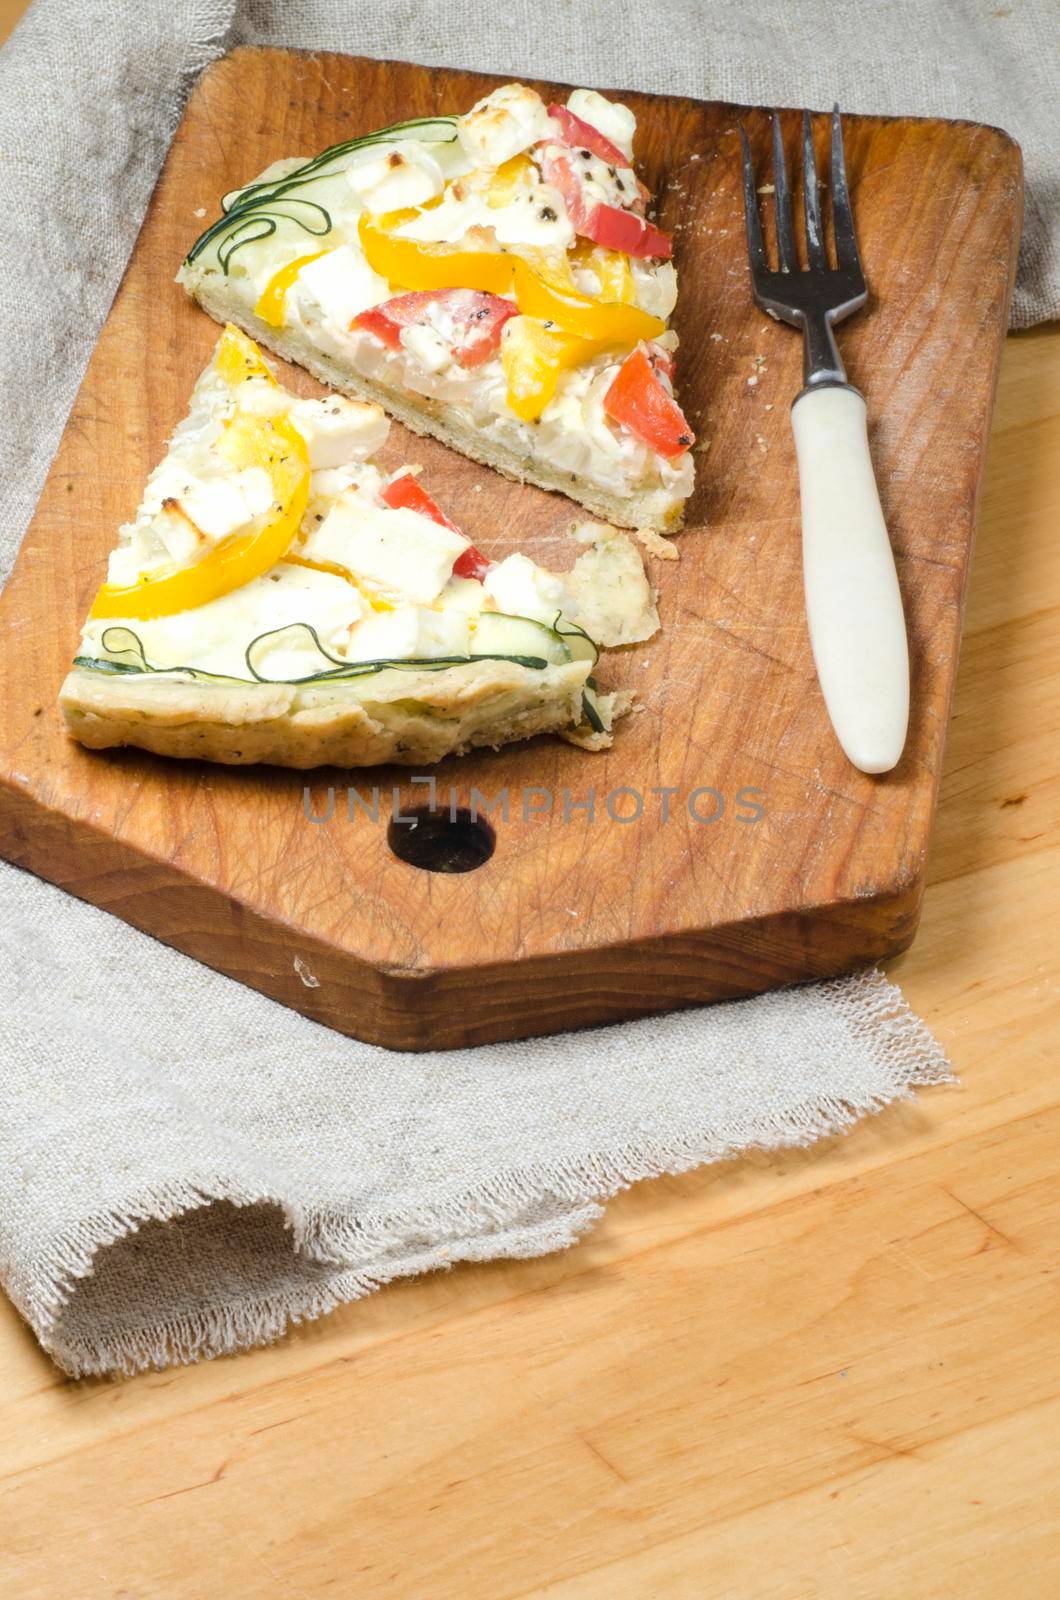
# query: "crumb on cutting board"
{"type": "Point", "coordinates": [657, 545]}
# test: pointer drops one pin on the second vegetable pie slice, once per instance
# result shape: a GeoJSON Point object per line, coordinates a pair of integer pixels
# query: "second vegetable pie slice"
{"type": "Point", "coordinates": [280, 598]}
{"type": "Point", "coordinates": [492, 279]}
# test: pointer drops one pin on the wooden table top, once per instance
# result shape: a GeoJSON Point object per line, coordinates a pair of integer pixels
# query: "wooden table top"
{"type": "Point", "coordinates": [10, 11]}
{"type": "Point", "coordinates": [828, 1375]}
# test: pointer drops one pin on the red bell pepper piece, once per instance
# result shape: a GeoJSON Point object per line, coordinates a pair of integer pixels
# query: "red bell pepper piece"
{"type": "Point", "coordinates": [581, 135]}
{"type": "Point", "coordinates": [476, 320]}
{"type": "Point", "coordinates": [625, 231]}
{"type": "Point", "coordinates": [640, 401]}
{"type": "Point", "coordinates": [603, 224]}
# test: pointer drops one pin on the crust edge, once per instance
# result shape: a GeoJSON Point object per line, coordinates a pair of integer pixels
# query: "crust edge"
{"type": "Point", "coordinates": [400, 718]}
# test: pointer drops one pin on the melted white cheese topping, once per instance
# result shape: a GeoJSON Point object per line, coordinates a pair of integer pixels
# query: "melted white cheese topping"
{"type": "Point", "coordinates": [534, 216]}
{"type": "Point", "coordinates": [603, 184]}
{"type": "Point", "coordinates": [411, 633]}
{"type": "Point", "coordinates": [389, 177]}
{"type": "Point", "coordinates": [214, 637]}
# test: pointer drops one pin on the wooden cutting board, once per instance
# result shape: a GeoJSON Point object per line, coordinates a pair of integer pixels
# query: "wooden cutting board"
{"type": "Point", "coordinates": [578, 916]}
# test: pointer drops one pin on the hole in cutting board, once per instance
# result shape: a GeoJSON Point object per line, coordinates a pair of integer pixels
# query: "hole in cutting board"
{"type": "Point", "coordinates": [441, 841]}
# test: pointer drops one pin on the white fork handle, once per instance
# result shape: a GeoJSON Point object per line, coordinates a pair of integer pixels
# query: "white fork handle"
{"type": "Point", "coordinates": [853, 603]}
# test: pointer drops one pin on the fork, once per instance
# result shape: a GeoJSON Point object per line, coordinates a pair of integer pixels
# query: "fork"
{"type": "Point", "coordinates": [853, 602]}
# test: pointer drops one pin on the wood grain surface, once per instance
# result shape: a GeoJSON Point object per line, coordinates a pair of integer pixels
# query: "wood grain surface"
{"type": "Point", "coordinates": [829, 1376]}
{"type": "Point", "coordinates": [577, 917]}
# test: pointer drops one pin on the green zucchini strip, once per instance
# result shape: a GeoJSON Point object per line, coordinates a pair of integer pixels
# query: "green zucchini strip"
{"type": "Point", "coordinates": [251, 214]}
{"type": "Point", "coordinates": [122, 641]}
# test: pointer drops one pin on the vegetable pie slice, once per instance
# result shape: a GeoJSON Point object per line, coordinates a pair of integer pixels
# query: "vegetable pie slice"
{"type": "Point", "coordinates": [491, 279]}
{"type": "Point", "coordinates": [279, 598]}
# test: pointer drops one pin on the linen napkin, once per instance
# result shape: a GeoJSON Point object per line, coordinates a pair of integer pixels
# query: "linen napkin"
{"type": "Point", "coordinates": [186, 1167]}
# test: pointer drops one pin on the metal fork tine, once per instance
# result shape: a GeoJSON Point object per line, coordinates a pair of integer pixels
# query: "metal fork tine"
{"type": "Point", "coordinates": [756, 250]}
{"type": "Point", "coordinates": [782, 201]}
{"type": "Point", "coordinates": [846, 244]}
{"type": "Point", "coordinates": [815, 255]}
{"type": "Point", "coordinates": [815, 298]}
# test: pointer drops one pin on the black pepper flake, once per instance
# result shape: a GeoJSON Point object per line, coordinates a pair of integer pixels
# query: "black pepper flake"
{"type": "Point", "coordinates": [547, 214]}
{"type": "Point", "coordinates": [684, 438]}
{"type": "Point", "coordinates": [586, 155]}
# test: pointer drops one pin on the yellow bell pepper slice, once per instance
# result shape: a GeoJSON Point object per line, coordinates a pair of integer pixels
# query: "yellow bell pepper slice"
{"type": "Point", "coordinates": [238, 357]}
{"type": "Point", "coordinates": [510, 178]}
{"type": "Point", "coordinates": [374, 599]}
{"type": "Point", "coordinates": [542, 279]}
{"type": "Point", "coordinates": [533, 357]}
{"type": "Point", "coordinates": [611, 267]}
{"type": "Point", "coordinates": [272, 443]}
{"type": "Point", "coordinates": [579, 314]}
{"type": "Point", "coordinates": [551, 264]}
{"type": "Point", "coordinates": [247, 440]}
{"type": "Point", "coordinates": [272, 303]}
{"type": "Point", "coordinates": [412, 264]}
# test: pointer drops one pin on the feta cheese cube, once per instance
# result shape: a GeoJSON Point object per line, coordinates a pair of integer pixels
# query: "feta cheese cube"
{"type": "Point", "coordinates": [399, 550]}
{"type": "Point", "coordinates": [390, 177]}
{"type": "Point", "coordinates": [520, 588]}
{"type": "Point", "coordinates": [616, 122]}
{"type": "Point", "coordinates": [506, 122]}
{"type": "Point", "coordinates": [337, 430]}
{"type": "Point", "coordinates": [537, 217]}
{"type": "Point", "coordinates": [427, 347]}
{"type": "Point", "coordinates": [218, 506]}
{"type": "Point", "coordinates": [337, 287]}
